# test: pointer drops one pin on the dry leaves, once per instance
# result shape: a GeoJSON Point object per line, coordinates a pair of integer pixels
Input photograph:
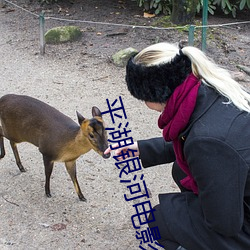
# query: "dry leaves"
{"type": "Point", "coordinates": [147, 15]}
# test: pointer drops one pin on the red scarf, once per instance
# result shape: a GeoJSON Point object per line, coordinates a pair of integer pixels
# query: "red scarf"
{"type": "Point", "coordinates": [174, 119]}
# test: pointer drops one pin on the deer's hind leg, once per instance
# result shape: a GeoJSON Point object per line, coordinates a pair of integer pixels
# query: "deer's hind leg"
{"type": "Point", "coordinates": [1, 144]}
{"type": "Point", "coordinates": [16, 154]}
{"type": "Point", "coordinates": [71, 168]}
{"type": "Point", "coordinates": [48, 164]}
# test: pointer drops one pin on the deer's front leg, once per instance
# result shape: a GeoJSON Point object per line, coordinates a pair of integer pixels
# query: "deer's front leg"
{"type": "Point", "coordinates": [71, 168]}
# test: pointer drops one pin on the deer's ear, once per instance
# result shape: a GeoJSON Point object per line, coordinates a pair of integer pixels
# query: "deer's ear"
{"type": "Point", "coordinates": [80, 118]}
{"type": "Point", "coordinates": [96, 112]}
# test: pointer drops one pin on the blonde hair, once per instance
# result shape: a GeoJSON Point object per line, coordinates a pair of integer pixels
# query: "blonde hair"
{"type": "Point", "coordinates": [202, 67]}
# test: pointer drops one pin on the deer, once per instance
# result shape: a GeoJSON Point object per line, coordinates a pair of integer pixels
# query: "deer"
{"type": "Point", "coordinates": [58, 138]}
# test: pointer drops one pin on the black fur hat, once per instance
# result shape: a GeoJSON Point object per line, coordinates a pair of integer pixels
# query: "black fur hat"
{"type": "Point", "coordinates": [156, 83]}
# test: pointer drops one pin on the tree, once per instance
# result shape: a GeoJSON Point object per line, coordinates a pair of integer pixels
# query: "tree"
{"type": "Point", "coordinates": [183, 11]}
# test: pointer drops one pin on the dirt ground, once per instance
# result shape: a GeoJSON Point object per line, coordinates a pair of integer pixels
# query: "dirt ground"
{"type": "Point", "coordinates": [77, 76]}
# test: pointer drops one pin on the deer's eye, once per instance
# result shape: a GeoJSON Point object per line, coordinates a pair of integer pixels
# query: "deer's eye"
{"type": "Point", "coordinates": [91, 136]}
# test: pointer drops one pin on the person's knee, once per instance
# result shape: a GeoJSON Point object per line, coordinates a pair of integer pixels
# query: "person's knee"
{"type": "Point", "coordinates": [154, 216]}
{"type": "Point", "coordinates": [157, 225]}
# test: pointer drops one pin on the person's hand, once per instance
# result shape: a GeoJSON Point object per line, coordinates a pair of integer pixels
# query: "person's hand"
{"type": "Point", "coordinates": [123, 150]}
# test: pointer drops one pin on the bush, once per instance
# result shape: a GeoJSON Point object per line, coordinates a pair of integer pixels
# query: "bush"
{"type": "Point", "coordinates": [165, 6]}
{"type": "Point", "coordinates": [156, 6]}
{"type": "Point", "coordinates": [232, 6]}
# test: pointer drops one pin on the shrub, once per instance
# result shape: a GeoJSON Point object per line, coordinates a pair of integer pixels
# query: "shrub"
{"type": "Point", "coordinates": [165, 6]}
{"type": "Point", "coordinates": [157, 6]}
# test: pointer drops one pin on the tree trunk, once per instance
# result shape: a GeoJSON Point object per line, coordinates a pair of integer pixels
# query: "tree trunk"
{"type": "Point", "coordinates": [183, 11]}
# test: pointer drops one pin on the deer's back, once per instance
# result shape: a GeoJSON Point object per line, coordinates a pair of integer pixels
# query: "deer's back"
{"type": "Point", "coordinates": [24, 118]}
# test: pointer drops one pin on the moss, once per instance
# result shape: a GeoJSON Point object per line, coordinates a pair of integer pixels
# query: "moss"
{"type": "Point", "coordinates": [163, 22]}
{"type": "Point", "coordinates": [121, 58]}
{"type": "Point", "coordinates": [63, 34]}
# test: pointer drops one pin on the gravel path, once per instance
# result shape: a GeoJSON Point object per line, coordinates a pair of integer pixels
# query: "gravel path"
{"type": "Point", "coordinates": [70, 79]}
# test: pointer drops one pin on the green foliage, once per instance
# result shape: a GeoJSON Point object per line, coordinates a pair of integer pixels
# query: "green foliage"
{"type": "Point", "coordinates": [226, 6]}
{"type": "Point", "coordinates": [211, 7]}
{"type": "Point", "coordinates": [244, 4]}
{"type": "Point", "coordinates": [165, 6]}
{"type": "Point", "coordinates": [157, 6]}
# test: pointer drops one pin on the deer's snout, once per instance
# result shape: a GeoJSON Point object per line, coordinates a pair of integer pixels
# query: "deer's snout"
{"type": "Point", "coordinates": [106, 156]}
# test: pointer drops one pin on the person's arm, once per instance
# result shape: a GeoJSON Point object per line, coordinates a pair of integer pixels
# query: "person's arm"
{"type": "Point", "coordinates": [155, 151]}
{"type": "Point", "coordinates": [220, 173]}
{"type": "Point", "coordinates": [152, 152]}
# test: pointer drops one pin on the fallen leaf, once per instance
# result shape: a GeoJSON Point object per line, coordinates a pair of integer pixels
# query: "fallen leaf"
{"type": "Point", "coordinates": [147, 15]}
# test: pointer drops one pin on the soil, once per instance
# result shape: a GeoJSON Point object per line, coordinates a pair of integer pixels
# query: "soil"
{"type": "Point", "coordinates": [77, 76]}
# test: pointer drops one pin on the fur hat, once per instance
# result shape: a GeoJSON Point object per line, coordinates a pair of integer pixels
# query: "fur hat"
{"type": "Point", "coordinates": [156, 83]}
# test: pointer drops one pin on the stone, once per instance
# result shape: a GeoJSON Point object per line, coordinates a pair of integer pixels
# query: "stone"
{"type": "Point", "coordinates": [121, 58]}
{"type": "Point", "coordinates": [2, 3]}
{"type": "Point", "coordinates": [63, 34]}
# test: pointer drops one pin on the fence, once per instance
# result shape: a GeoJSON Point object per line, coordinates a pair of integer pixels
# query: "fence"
{"type": "Point", "coordinates": [191, 28]}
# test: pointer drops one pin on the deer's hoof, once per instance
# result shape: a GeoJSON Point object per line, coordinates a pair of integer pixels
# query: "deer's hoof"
{"type": "Point", "coordinates": [82, 198]}
{"type": "Point", "coordinates": [48, 195]}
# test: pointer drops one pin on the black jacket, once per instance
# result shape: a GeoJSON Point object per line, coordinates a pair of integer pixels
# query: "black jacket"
{"type": "Point", "coordinates": [216, 145]}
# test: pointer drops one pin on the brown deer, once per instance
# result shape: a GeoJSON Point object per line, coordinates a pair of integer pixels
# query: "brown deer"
{"type": "Point", "coordinates": [59, 138]}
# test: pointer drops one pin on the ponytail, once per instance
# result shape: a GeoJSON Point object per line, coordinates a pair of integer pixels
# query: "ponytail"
{"type": "Point", "coordinates": [218, 78]}
{"type": "Point", "coordinates": [201, 66]}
